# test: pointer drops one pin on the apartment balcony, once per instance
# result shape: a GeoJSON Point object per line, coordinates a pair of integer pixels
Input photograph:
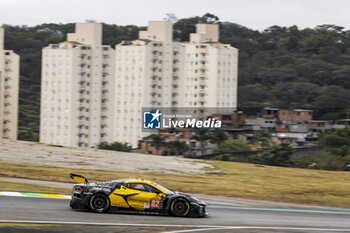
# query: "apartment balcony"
{"type": "Point", "coordinates": [104, 96]}
{"type": "Point", "coordinates": [202, 91]}
{"type": "Point", "coordinates": [105, 71]}
{"type": "Point", "coordinates": [7, 85]}
{"type": "Point", "coordinates": [6, 117]}
{"type": "Point", "coordinates": [6, 110]}
{"type": "Point", "coordinates": [202, 58]}
{"type": "Point", "coordinates": [84, 87]}
{"type": "Point", "coordinates": [7, 93]}
{"type": "Point", "coordinates": [83, 131]}
{"type": "Point", "coordinates": [83, 70]}
{"type": "Point", "coordinates": [154, 91]}
{"type": "Point", "coordinates": [202, 82]}
{"type": "Point", "coordinates": [202, 102]}
{"type": "Point", "coordinates": [8, 67]}
{"type": "Point", "coordinates": [104, 106]}
{"type": "Point", "coordinates": [84, 61]}
{"type": "Point", "coordinates": [103, 122]}
{"type": "Point", "coordinates": [6, 100]}
{"type": "Point", "coordinates": [104, 83]}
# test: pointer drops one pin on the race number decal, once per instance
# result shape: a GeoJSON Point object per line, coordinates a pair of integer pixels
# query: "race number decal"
{"type": "Point", "coordinates": [155, 203]}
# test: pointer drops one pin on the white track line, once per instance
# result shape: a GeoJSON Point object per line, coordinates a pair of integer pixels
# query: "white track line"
{"type": "Point", "coordinates": [202, 227]}
{"type": "Point", "coordinates": [262, 228]}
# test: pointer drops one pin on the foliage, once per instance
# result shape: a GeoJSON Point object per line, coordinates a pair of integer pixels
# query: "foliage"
{"type": "Point", "coordinates": [262, 138]}
{"type": "Point", "coordinates": [326, 161]}
{"type": "Point", "coordinates": [280, 66]}
{"type": "Point", "coordinates": [228, 147]}
{"type": "Point", "coordinates": [178, 147]}
{"type": "Point", "coordinates": [157, 141]}
{"type": "Point", "coordinates": [218, 136]}
{"type": "Point", "coordinates": [336, 138]}
{"type": "Point", "coordinates": [279, 155]}
{"type": "Point", "coordinates": [117, 146]}
{"type": "Point", "coordinates": [202, 136]}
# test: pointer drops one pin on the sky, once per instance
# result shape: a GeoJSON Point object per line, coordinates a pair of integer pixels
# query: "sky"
{"type": "Point", "coordinates": [254, 14]}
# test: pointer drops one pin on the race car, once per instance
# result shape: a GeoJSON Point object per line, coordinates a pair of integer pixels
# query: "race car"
{"type": "Point", "coordinates": [133, 195]}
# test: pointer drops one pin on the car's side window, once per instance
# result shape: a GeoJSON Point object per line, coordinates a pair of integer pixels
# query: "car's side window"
{"type": "Point", "coordinates": [136, 186]}
{"type": "Point", "coordinates": [151, 189]}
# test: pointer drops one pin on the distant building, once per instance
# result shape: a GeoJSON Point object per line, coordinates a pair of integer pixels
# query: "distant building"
{"type": "Point", "coordinates": [77, 89]}
{"type": "Point", "coordinates": [153, 71]}
{"type": "Point", "coordinates": [9, 85]}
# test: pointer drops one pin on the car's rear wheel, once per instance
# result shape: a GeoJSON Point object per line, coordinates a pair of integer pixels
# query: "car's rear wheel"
{"type": "Point", "coordinates": [180, 207]}
{"type": "Point", "coordinates": [99, 203]}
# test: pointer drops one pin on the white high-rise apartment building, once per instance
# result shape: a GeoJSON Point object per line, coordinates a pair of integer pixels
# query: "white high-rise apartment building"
{"type": "Point", "coordinates": [154, 71]}
{"type": "Point", "coordinates": [93, 94]}
{"type": "Point", "coordinates": [9, 85]}
{"type": "Point", "coordinates": [77, 89]}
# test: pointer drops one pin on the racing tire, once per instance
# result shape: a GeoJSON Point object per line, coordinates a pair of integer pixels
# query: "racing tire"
{"type": "Point", "coordinates": [99, 203]}
{"type": "Point", "coordinates": [179, 207]}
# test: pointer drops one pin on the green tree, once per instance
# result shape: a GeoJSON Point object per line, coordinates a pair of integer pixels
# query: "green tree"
{"type": "Point", "coordinates": [178, 147]}
{"type": "Point", "coordinates": [262, 138]}
{"type": "Point", "coordinates": [117, 146]}
{"type": "Point", "coordinates": [157, 141]}
{"type": "Point", "coordinates": [279, 155]}
{"type": "Point", "coordinates": [202, 136]}
{"type": "Point", "coordinates": [217, 136]}
{"type": "Point", "coordinates": [232, 145]}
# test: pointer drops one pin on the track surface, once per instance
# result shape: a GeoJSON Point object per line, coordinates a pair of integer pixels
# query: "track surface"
{"type": "Point", "coordinates": [57, 210]}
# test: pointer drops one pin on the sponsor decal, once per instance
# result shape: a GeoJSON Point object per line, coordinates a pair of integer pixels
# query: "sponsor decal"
{"type": "Point", "coordinates": [155, 203]}
{"type": "Point", "coordinates": [146, 205]}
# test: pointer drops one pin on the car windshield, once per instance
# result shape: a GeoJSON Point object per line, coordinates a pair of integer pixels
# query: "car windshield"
{"type": "Point", "coordinates": [162, 188]}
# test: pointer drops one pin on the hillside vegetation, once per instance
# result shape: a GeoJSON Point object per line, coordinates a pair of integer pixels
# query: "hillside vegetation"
{"type": "Point", "coordinates": [280, 66]}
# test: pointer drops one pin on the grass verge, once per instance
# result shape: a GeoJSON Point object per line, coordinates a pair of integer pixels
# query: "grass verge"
{"type": "Point", "coordinates": [232, 179]}
{"type": "Point", "coordinates": [19, 187]}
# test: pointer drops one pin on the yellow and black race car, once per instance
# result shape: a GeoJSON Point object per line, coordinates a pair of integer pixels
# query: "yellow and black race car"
{"type": "Point", "coordinates": [133, 195]}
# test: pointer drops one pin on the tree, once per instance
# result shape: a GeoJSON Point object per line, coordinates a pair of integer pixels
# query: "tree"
{"type": "Point", "coordinates": [157, 141]}
{"type": "Point", "coordinates": [218, 136]}
{"type": "Point", "coordinates": [117, 146]}
{"type": "Point", "coordinates": [232, 145]}
{"type": "Point", "coordinates": [279, 155]}
{"type": "Point", "coordinates": [178, 147]}
{"type": "Point", "coordinates": [201, 136]}
{"type": "Point", "coordinates": [263, 138]}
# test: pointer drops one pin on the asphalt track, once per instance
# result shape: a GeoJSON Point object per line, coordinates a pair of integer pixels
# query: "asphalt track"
{"type": "Point", "coordinates": [222, 218]}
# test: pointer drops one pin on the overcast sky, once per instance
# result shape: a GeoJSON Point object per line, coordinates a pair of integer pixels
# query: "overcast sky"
{"type": "Point", "coordinates": [255, 14]}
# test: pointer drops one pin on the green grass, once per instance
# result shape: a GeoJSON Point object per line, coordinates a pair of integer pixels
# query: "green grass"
{"type": "Point", "coordinates": [19, 187]}
{"type": "Point", "coordinates": [329, 188]}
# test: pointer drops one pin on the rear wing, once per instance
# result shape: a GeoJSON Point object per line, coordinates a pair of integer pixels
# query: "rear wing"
{"type": "Point", "coordinates": [79, 179]}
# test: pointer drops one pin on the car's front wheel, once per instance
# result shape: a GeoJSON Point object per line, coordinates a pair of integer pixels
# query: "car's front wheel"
{"type": "Point", "coordinates": [99, 203]}
{"type": "Point", "coordinates": [180, 207]}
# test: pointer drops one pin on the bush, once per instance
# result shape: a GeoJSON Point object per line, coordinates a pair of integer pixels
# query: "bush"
{"type": "Point", "coordinates": [277, 156]}
{"type": "Point", "coordinates": [325, 161]}
{"type": "Point", "coordinates": [232, 145]}
{"type": "Point", "coordinates": [223, 157]}
{"type": "Point", "coordinates": [117, 146]}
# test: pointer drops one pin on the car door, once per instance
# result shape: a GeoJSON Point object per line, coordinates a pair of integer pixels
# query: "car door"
{"type": "Point", "coordinates": [121, 196]}
{"type": "Point", "coordinates": [148, 198]}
